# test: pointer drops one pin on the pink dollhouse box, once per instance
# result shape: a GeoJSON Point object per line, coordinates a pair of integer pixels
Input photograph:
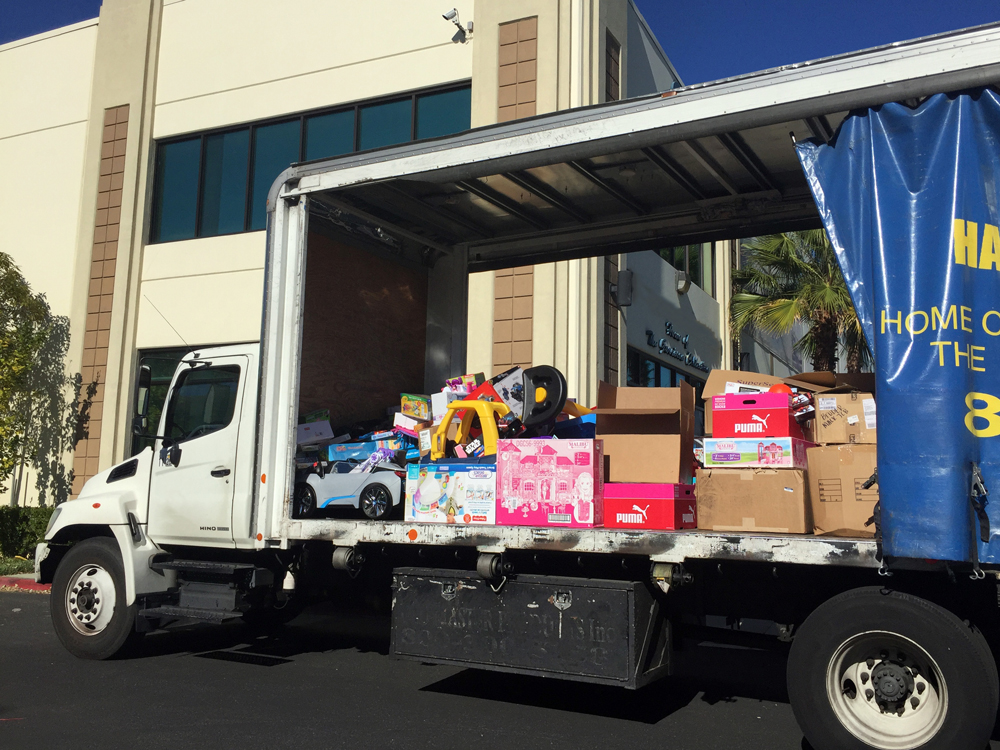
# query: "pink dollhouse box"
{"type": "Point", "coordinates": [550, 483]}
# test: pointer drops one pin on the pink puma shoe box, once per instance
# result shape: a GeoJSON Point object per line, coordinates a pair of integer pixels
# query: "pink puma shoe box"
{"type": "Point", "coordinates": [661, 507]}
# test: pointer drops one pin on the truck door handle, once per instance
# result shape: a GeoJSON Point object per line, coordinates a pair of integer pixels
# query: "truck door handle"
{"type": "Point", "coordinates": [220, 472]}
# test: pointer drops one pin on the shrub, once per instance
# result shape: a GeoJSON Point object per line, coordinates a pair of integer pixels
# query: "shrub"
{"type": "Point", "coordinates": [21, 529]}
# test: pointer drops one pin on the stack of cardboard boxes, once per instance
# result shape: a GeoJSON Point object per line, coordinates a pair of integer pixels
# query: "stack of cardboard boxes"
{"type": "Point", "coordinates": [767, 472]}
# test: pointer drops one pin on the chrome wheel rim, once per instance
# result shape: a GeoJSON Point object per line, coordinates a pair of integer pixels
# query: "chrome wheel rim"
{"type": "Point", "coordinates": [887, 691]}
{"type": "Point", "coordinates": [375, 501]}
{"type": "Point", "coordinates": [90, 600]}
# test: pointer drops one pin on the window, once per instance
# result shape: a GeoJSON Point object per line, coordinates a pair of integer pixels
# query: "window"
{"type": "Point", "coordinates": [161, 363]}
{"type": "Point", "coordinates": [176, 186]}
{"type": "Point", "coordinates": [646, 372]}
{"type": "Point", "coordinates": [698, 261]}
{"type": "Point", "coordinates": [224, 183]}
{"type": "Point", "coordinates": [612, 69]}
{"type": "Point", "coordinates": [329, 135]}
{"type": "Point", "coordinates": [203, 402]}
{"type": "Point", "coordinates": [385, 124]}
{"type": "Point", "coordinates": [443, 114]}
{"type": "Point", "coordinates": [275, 147]}
{"type": "Point", "coordinates": [233, 191]}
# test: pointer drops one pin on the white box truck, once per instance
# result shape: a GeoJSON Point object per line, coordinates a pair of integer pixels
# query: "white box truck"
{"type": "Point", "coordinates": [200, 525]}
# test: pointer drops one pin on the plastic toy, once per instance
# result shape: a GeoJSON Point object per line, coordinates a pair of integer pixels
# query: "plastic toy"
{"type": "Point", "coordinates": [376, 492]}
{"type": "Point", "coordinates": [488, 413]}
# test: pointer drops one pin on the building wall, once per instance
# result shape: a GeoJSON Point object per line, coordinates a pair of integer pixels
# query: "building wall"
{"type": "Point", "coordinates": [46, 81]}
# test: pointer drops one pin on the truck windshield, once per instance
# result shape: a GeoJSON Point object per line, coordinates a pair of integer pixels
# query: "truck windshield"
{"type": "Point", "coordinates": [203, 402]}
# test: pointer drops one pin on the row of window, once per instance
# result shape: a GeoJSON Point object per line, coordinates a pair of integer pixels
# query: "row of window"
{"type": "Point", "coordinates": [216, 183]}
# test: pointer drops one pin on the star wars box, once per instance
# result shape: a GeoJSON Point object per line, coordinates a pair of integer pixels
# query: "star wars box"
{"type": "Point", "coordinates": [550, 483]}
{"type": "Point", "coordinates": [663, 507]}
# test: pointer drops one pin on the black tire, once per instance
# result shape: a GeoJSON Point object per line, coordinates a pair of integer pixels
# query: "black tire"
{"type": "Point", "coordinates": [103, 634]}
{"type": "Point", "coordinates": [960, 666]}
{"type": "Point", "coordinates": [376, 501]}
{"type": "Point", "coordinates": [304, 501]}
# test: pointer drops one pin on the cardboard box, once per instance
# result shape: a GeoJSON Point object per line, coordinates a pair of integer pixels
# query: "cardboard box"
{"type": "Point", "coordinates": [648, 433]}
{"type": "Point", "coordinates": [753, 415]}
{"type": "Point", "coordinates": [839, 506]}
{"type": "Point", "coordinates": [760, 500]}
{"type": "Point", "coordinates": [416, 406]}
{"type": "Point", "coordinates": [509, 386]}
{"type": "Point", "coordinates": [550, 483]}
{"type": "Point", "coordinates": [467, 383]}
{"type": "Point", "coordinates": [313, 432]}
{"type": "Point", "coordinates": [451, 492]}
{"type": "Point", "coordinates": [774, 453]}
{"type": "Point", "coordinates": [739, 381]}
{"type": "Point", "coordinates": [843, 417]}
{"type": "Point", "coordinates": [664, 507]}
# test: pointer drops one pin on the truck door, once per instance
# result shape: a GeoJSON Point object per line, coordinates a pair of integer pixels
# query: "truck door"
{"type": "Point", "coordinates": [194, 463]}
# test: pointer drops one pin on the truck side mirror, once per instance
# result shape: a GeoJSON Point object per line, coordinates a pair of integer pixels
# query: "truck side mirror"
{"type": "Point", "coordinates": [143, 382]}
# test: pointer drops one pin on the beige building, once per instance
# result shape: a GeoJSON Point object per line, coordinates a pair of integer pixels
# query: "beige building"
{"type": "Point", "coordinates": [158, 128]}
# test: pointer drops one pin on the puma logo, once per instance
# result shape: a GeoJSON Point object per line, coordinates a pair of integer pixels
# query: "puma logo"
{"type": "Point", "coordinates": [640, 515]}
{"type": "Point", "coordinates": [756, 425]}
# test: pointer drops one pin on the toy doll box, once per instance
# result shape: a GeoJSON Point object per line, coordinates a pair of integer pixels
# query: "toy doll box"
{"type": "Point", "coordinates": [451, 492]}
{"type": "Point", "coordinates": [550, 483]}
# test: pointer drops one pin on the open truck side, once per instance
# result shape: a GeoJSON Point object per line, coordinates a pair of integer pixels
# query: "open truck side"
{"type": "Point", "coordinates": [201, 526]}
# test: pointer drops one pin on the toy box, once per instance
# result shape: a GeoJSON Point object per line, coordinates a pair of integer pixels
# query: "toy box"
{"type": "Point", "coordinates": [439, 404]}
{"type": "Point", "coordinates": [665, 507]}
{"type": "Point", "coordinates": [451, 492]}
{"type": "Point", "coordinates": [753, 415]}
{"type": "Point", "coordinates": [416, 406]}
{"type": "Point", "coordinates": [313, 432]}
{"type": "Point", "coordinates": [550, 483]}
{"type": "Point", "coordinates": [359, 451]}
{"type": "Point", "coordinates": [773, 453]}
{"type": "Point", "coordinates": [467, 383]}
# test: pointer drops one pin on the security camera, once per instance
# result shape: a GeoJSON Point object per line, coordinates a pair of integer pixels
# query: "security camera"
{"type": "Point", "coordinates": [451, 15]}
{"type": "Point", "coordinates": [461, 36]}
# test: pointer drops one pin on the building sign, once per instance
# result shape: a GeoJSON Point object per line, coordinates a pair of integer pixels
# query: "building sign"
{"type": "Point", "coordinates": [664, 346]}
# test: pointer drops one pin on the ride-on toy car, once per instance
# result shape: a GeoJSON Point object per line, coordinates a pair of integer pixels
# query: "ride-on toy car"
{"type": "Point", "coordinates": [325, 485]}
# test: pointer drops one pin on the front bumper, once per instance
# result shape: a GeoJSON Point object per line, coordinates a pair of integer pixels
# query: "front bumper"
{"type": "Point", "coordinates": [41, 552]}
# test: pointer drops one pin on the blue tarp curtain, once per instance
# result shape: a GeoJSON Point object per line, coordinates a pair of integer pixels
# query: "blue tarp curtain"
{"type": "Point", "coordinates": [909, 198]}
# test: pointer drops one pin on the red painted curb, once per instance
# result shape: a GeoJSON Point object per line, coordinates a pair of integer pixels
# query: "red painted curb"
{"type": "Point", "coordinates": [25, 584]}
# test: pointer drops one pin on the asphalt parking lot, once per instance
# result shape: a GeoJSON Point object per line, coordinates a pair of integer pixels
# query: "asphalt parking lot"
{"type": "Point", "coordinates": [325, 681]}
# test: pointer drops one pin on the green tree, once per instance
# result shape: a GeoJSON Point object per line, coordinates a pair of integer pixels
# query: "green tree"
{"type": "Point", "coordinates": [42, 415]}
{"type": "Point", "coordinates": [792, 277]}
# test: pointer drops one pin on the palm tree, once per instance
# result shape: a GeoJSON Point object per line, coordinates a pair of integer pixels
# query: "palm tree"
{"type": "Point", "coordinates": [792, 277]}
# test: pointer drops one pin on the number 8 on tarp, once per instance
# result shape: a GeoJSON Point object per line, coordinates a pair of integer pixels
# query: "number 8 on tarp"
{"type": "Point", "coordinates": [990, 411]}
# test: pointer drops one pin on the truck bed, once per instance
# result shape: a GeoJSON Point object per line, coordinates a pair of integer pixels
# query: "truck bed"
{"type": "Point", "coordinates": [660, 546]}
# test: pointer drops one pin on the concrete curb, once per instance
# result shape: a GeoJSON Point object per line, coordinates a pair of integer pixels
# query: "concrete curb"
{"type": "Point", "coordinates": [24, 584]}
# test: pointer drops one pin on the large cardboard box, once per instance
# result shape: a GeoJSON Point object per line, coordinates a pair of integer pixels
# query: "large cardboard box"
{"type": "Point", "coordinates": [451, 492]}
{"type": "Point", "coordinates": [773, 453]}
{"type": "Point", "coordinates": [738, 381]}
{"type": "Point", "coordinates": [843, 416]}
{"type": "Point", "coordinates": [761, 500]}
{"type": "Point", "coordinates": [840, 507]}
{"type": "Point", "coordinates": [648, 433]}
{"type": "Point", "coordinates": [666, 507]}
{"type": "Point", "coordinates": [550, 483]}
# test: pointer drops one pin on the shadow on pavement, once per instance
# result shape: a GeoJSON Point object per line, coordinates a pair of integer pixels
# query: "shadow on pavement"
{"type": "Point", "coordinates": [718, 674]}
{"type": "Point", "coordinates": [319, 629]}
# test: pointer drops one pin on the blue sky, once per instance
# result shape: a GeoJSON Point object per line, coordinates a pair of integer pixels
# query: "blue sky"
{"type": "Point", "coordinates": [705, 39]}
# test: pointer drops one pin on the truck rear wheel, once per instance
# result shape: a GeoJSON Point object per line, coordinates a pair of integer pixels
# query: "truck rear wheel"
{"type": "Point", "coordinates": [873, 668]}
{"type": "Point", "coordinates": [89, 613]}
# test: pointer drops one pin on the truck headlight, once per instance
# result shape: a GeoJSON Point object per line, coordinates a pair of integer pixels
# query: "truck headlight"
{"type": "Point", "coordinates": [52, 521]}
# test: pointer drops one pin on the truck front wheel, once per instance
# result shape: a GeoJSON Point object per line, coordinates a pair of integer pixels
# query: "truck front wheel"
{"type": "Point", "coordinates": [89, 613]}
{"type": "Point", "coordinates": [873, 668]}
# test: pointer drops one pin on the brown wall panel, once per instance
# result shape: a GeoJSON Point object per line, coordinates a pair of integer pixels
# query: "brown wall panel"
{"type": "Point", "coordinates": [364, 332]}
